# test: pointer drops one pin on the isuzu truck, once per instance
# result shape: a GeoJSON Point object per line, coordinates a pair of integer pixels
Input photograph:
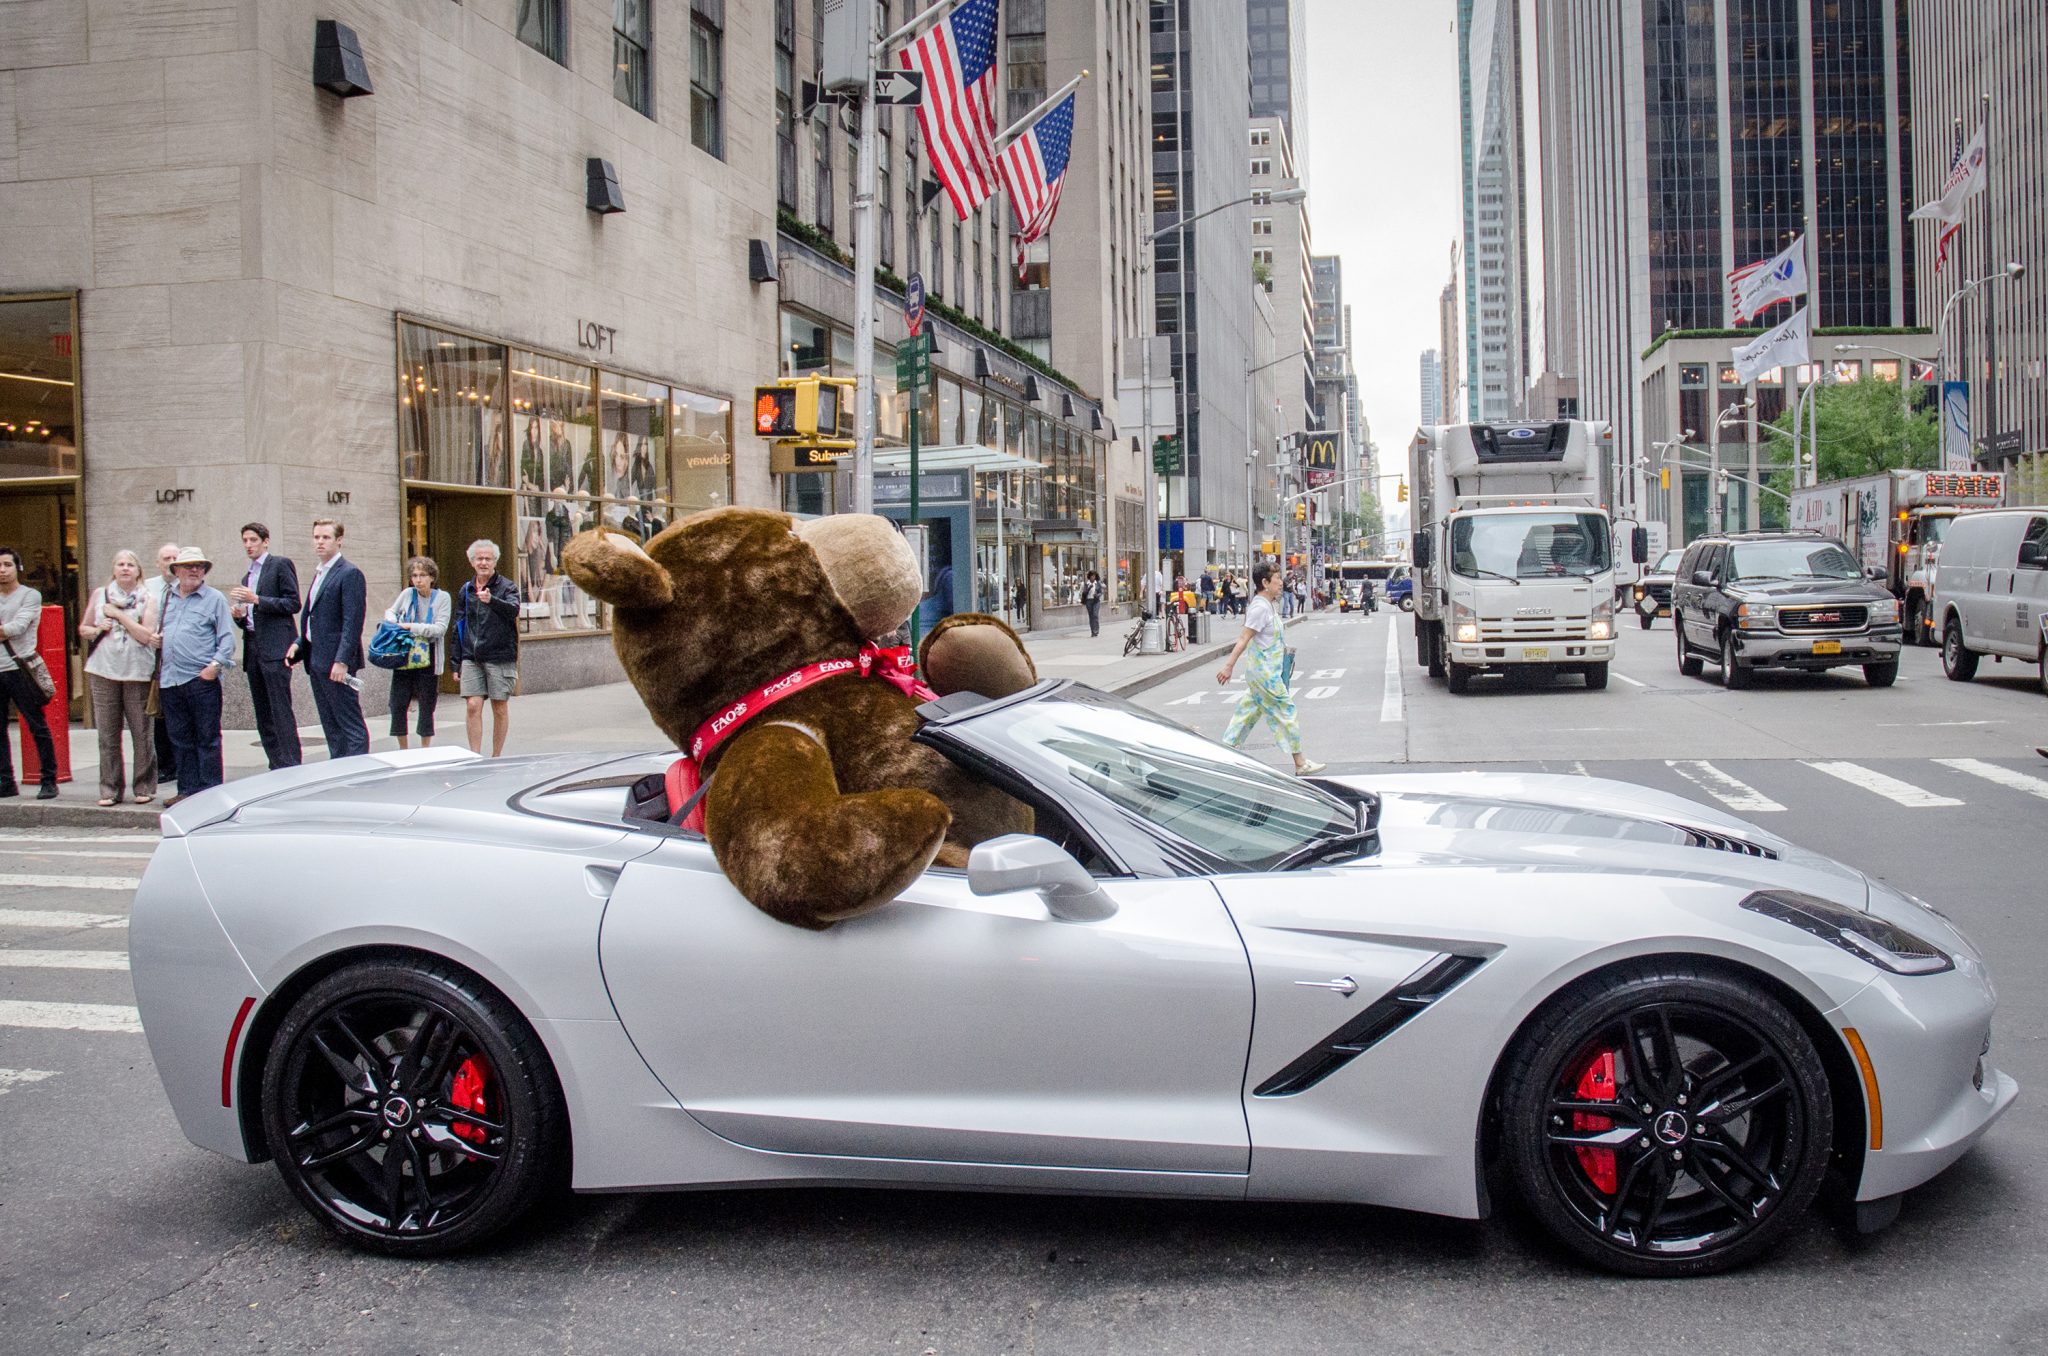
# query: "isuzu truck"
{"type": "Point", "coordinates": [1514, 550]}
{"type": "Point", "coordinates": [1893, 523]}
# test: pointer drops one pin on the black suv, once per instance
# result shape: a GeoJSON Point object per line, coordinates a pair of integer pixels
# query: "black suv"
{"type": "Point", "coordinates": [1793, 600]}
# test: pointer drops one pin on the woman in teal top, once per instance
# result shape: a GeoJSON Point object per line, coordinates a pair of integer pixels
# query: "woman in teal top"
{"type": "Point", "coordinates": [1265, 683]}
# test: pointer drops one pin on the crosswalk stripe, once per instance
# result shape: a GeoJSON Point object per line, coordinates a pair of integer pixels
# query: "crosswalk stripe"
{"type": "Point", "coordinates": [1390, 694]}
{"type": "Point", "coordinates": [1891, 788]}
{"type": "Point", "coordinates": [82, 836]}
{"type": "Point", "coordinates": [2004, 776]}
{"type": "Point", "coordinates": [10, 1079]}
{"type": "Point", "coordinates": [1734, 794]}
{"type": "Point", "coordinates": [13, 959]}
{"type": "Point", "coordinates": [59, 918]}
{"type": "Point", "coordinates": [17, 880]}
{"type": "Point", "coordinates": [70, 1016]}
{"type": "Point", "coordinates": [112, 853]}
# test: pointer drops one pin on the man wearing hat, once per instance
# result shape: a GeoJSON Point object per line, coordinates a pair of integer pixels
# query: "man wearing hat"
{"type": "Point", "coordinates": [198, 646]}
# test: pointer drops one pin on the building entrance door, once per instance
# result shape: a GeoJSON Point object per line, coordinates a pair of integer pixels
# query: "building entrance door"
{"type": "Point", "coordinates": [41, 522]}
{"type": "Point", "coordinates": [441, 524]}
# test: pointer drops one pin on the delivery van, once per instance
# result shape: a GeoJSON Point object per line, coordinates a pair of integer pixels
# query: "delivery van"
{"type": "Point", "coordinates": [1991, 590]}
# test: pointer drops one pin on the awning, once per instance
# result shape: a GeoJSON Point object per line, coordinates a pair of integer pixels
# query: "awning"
{"type": "Point", "coordinates": [958, 457]}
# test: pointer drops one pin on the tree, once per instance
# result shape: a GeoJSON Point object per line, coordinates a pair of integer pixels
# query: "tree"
{"type": "Point", "coordinates": [1371, 522]}
{"type": "Point", "coordinates": [1863, 430]}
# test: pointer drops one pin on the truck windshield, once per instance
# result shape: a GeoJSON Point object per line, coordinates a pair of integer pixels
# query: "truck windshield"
{"type": "Point", "coordinates": [1791, 560]}
{"type": "Point", "coordinates": [1533, 545]}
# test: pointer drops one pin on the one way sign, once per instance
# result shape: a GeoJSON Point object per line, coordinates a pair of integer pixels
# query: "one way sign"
{"type": "Point", "coordinates": [902, 88]}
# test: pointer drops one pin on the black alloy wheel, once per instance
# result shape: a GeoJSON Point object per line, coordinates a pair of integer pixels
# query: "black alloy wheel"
{"type": "Point", "coordinates": [1733, 675]}
{"type": "Point", "coordinates": [1671, 1122]}
{"type": "Point", "coordinates": [1689, 664]}
{"type": "Point", "coordinates": [1958, 660]}
{"type": "Point", "coordinates": [411, 1109]}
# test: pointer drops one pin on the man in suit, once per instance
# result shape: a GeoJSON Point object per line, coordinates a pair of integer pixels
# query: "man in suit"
{"type": "Point", "coordinates": [330, 643]}
{"type": "Point", "coordinates": [265, 605]}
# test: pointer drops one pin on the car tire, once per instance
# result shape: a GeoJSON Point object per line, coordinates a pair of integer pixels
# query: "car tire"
{"type": "Point", "coordinates": [2044, 668]}
{"type": "Point", "coordinates": [1958, 660]}
{"type": "Point", "coordinates": [1881, 675]}
{"type": "Point", "coordinates": [1596, 677]}
{"type": "Point", "coordinates": [1734, 677]}
{"type": "Point", "coordinates": [1457, 677]}
{"type": "Point", "coordinates": [1407, 604]}
{"type": "Point", "coordinates": [1731, 1152]}
{"type": "Point", "coordinates": [1915, 620]}
{"type": "Point", "coordinates": [1435, 653]}
{"type": "Point", "coordinates": [1646, 620]}
{"type": "Point", "coordinates": [484, 1144]}
{"type": "Point", "coordinates": [1690, 665]}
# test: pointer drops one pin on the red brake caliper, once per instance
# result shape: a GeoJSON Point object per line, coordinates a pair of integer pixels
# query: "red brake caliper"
{"type": "Point", "coordinates": [1596, 1084]}
{"type": "Point", "coordinates": [467, 1094]}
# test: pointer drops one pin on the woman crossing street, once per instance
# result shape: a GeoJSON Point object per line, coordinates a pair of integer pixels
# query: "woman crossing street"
{"type": "Point", "coordinates": [1265, 685]}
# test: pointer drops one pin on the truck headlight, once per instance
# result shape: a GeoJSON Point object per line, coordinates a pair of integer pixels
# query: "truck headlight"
{"type": "Point", "coordinates": [1639, 593]}
{"type": "Point", "coordinates": [1756, 614]}
{"type": "Point", "coordinates": [1885, 945]}
{"type": "Point", "coordinates": [1601, 627]}
{"type": "Point", "coordinates": [1464, 624]}
{"type": "Point", "coordinates": [1885, 610]}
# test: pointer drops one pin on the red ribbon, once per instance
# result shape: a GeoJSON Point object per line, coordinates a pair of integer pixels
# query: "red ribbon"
{"type": "Point", "coordinates": [894, 666]}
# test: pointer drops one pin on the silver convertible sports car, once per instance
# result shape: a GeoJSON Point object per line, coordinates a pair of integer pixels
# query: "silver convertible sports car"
{"type": "Point", "coordinates": [431, 987]}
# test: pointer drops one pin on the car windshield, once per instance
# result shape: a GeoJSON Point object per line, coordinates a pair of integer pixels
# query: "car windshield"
{"type": "Point", "coordinates": [1934, 528]}
{"type": "Point", "coordinates": [1667, 563]}
{"type": "Point", "coordinates": [1535, 545]}
{"type": "Point", "coordinates": [1170, 779]}
{"type": "Point", "coordinates": [1791, 560]}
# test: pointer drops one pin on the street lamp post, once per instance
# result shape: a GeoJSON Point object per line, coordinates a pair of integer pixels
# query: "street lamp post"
{"type": "Point", "coordinates": [2011, 273]}
{"type": "Point", "coordinates": [1151, 556]}
{"type": "Point", "coordinates": [1251, 456]}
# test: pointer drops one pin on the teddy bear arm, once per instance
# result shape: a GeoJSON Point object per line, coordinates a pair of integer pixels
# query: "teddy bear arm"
{"type": "Point", "coordinates": [974, 652]}
{"type": "Point", "coordinates": [799, 849]}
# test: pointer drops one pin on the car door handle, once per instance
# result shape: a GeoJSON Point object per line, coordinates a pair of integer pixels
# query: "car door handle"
{"type": "Point", "coordinates": [1346, 985]}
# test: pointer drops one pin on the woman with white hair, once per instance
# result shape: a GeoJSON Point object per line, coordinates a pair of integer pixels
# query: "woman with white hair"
{"type": "Point", "coordinates": [119, 631]}
{"type": "Point", "coordinates": [486, 649]}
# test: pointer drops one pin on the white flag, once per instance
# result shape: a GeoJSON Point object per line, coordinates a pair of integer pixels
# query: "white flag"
{"type": "Point", "coordinates": [1784, 346]}
{"type": "Point", "coordinates": [1965, 181]}
{"type": "Point", "coordinates": [1755, 288]}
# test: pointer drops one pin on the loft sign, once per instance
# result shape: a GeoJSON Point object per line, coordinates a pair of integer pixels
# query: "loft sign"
{"type": "Point", "coordinates": [174, 496]}
{"type": "Point", "coordinates": [596, 337]}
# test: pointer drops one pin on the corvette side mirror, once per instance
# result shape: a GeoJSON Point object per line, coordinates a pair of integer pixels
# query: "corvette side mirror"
{"type": "Point", "coordinates": [1022, 861]}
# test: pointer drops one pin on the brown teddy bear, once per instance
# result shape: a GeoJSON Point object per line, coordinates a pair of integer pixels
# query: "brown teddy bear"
{"type": "Point", "coordinates": [750, 636]}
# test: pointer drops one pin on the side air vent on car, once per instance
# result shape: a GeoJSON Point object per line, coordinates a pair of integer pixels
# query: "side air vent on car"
{"type": "Point", "coordinates": [1721, 842]}
{"type": "Point", "coordinates": [1385, 1015]}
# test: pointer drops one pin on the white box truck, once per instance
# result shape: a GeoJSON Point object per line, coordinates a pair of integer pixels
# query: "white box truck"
{"type": "Point", "coordinates": [1514, 550]}
{"type": "Point", "coordinates": [1894, 524]}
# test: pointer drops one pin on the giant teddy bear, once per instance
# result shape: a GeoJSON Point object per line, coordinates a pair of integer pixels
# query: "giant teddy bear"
{"type": "Point", "coordinates": [750, 637]}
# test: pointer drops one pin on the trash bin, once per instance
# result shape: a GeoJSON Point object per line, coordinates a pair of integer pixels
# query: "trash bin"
{"type": "Point", "coordinates": [1154, 639]}
{"type": "Point", "coordinates": [1198, 628]}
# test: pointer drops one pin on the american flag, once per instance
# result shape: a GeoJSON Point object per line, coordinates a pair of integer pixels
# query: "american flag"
{"type": "Point", "coordinates": [958, 58]}
{"type": "Point", "coordinates": [1965, 180]}
{"type": "Point", "coordinates": [1034, 169]}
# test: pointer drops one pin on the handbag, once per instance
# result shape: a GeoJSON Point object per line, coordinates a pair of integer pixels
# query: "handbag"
{"type": "Point", "coordinates": [33, 665]}
{"type": "Point", "coordinates": [394, 647]}
{"type": "Point", "coordinates": [1287, 669]}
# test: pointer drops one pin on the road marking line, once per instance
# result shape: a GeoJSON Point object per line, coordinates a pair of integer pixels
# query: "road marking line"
{"type": "Point", "coordinates": [1891, 788]}
{"type": "Point", "coordinates": [1390, 694]}
{"type": "Point", "coordinates": [1192, 699]}
{"type": "Point", "coordinates": [2004, 776]}
{"type": "Point", "coordinates": [16, 880]}
{"type": "Point", "coordinates": [86, 836]}
{"type": "Point", "coordinates": [12, 959]}
{"type": "Point", "coordinates": [1931, 724]}
{"type": "Point", "coordinates": [59, 918]}
{"type": "Point", "coordinates": [58, 852]}
{"type": "Point", "coordinates": [1632, 682]}
{"type": "Point", "coordinates": [1724, 788]}
{"type": "Point", "coordinates": [1316, 693]}
{"type": "Point", "coordinates": [12, 1078]}
{"type": "Point", "coordinates": [70, 1016]}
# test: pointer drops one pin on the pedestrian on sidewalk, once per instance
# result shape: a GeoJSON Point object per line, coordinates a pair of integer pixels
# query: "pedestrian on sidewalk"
{"type": "Point", "coordinates": [1263, 644]}
{"type": "Point", "coordinates": [1208, 591]}
{"type": "Point", "coordinates": [1023, 603]}
{"type": "Point", "coordinates": [265, 604]}
{"type": "Point", "coordinates": [119, 631]}
{"type": "Point", "coordinates": [1227, 590]}
{"type": "Point", "coordinates": [330, 642]}
{"type": "Point", "coordinates": [21, 614]}
{"type": "Point", "coordinates": [159, 587]}
{"type": "Point", "coordinates": [1286, 594]}
{"type": "Point", "coordinates": [486, 650]}
{"type": "Point", "coordinates": [1091, 598]}
{"type": "Point", "coordinates": [423, 610]}
{"type": "Point", "coordinates": [198, 645]}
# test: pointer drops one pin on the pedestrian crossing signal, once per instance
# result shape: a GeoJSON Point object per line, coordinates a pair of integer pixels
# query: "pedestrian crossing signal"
{"type": "Point", "coordinates": [804, 408]}
{"type": "Point", "coordinates": [775, 411]}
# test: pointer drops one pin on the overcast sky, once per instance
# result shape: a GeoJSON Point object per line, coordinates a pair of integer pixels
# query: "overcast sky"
{"type": "Point", "coordinates": [1383, 188]}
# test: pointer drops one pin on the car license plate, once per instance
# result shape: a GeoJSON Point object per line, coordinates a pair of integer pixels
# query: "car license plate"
{"type": "Point", "coordinates": [1827, 647]}
{"type": "Point", "coordinates": [1535, 652]}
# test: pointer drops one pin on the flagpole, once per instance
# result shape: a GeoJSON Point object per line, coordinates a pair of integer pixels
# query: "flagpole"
{"type": "Point", "coordinates": [1990, 297]}
{"type": "Point", "coordinates": [1023, 124]}
{"type": "Point", "coordinates": [866, 246]}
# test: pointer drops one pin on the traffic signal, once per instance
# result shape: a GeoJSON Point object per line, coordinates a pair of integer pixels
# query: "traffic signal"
{"type": "Point", "coordinates": [1401, 495]}
{"type": "Point", "coordinates": [1301, 510]}
{"type": "Point", "coordinates": [804, 407]}
{"type": "Point", "coordinates": [1664, 477]}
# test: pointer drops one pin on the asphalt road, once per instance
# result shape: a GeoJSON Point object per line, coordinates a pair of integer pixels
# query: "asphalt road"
{"type": "Point", "coordinates": [116, 1236]}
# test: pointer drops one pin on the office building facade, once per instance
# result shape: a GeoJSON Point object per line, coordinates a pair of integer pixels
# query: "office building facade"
{"type": "Point", "coordinates": [1432, 392]}
{"type": "Point", "coordinates": [1278, 43]}
{"type": "Point", "coordinates": [1491, 156]}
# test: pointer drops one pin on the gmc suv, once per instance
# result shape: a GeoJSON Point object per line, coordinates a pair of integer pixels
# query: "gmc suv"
{"type": "Point", "coordinates": [1793, 600]}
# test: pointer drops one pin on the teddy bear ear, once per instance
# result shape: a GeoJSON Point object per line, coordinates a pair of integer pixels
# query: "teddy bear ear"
{"type": "Point", "coordinates": [611, 567]}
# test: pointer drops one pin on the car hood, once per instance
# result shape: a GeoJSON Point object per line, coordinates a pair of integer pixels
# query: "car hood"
{"type": "Point", "coordinates": [1795, 591]}
{"type": "Point", "coordinates": [1589, 824]}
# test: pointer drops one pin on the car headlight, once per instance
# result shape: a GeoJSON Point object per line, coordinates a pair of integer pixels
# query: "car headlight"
{"type": "Point", "coordinates": [1639, 593]}
{"type": "Point", "coordinates": [1464, 624]}
{"type": "Point", "coordinates": [1602, 625]}
{"type": "Point", "coordinates": [1885, 945]}
{"type": "Point", "coordinates": [1885, 610]}
{"type": "Point", "coordinates": [1756, 614]}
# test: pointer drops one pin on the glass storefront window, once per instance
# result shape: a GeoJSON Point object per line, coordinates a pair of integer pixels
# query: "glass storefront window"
{"type": "Point", "coordinates": [1130, 534]}
{"type": "Point", "coordinates": [974, 414]}
{"type": "Point", "coordinates": [38, 388]}
{"type": "Point", "coordinates": [556, 419]}
{"type": "Point", "coordinates": [700, 451]}
{"type": "Point", "coordinates": [1062, 569]}
{"type": "Point", "coordinates": [451, 408]}
{"type": "Point", "coordinates": [948, 431]}
{"type": "Point", "coordinates": [805, 346]}
{"type": "Point", "coordinates": [633, 424]}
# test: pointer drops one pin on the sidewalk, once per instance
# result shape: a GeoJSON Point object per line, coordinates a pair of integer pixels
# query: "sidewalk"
{"type": "Point", "coordinates": [604, 718]}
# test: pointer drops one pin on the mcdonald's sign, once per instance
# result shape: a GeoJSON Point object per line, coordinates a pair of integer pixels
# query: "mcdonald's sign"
{"type": "Point", "coordinates": [1318, 457]}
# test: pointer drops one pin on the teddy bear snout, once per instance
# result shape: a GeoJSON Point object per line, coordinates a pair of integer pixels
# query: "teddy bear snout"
{"type": "Point", "coordinates": [871, 568]}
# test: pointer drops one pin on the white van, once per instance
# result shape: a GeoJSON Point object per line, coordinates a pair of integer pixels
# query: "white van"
{"type": "Point", "coordinates": [1991, 590]}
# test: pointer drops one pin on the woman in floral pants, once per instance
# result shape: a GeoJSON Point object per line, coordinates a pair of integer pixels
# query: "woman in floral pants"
{"type": "Point", "coordinates": [1265, 687]}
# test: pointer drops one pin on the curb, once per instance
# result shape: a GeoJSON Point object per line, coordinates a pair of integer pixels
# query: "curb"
{"type": "Point", "coordinates": [1142, 682]}
{"type": "Point", "coordinates": [44, 814]}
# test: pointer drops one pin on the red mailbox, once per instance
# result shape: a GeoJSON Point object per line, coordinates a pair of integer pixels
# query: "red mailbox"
{"type": "Point", "coordinates": [52, 642]}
